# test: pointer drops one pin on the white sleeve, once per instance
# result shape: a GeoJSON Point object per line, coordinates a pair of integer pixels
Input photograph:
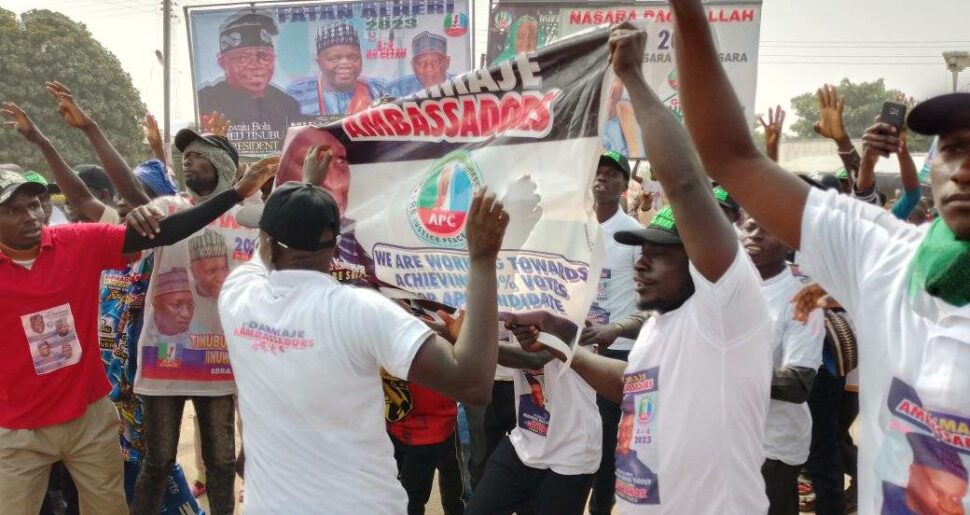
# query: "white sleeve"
{"type": "Point", "coordinates": [802, 344]}
{"type": "Point", "coordinates": [843, 239]}
{"type": "Point", "coordinates": [385, 334]}
{"type": "Point", "coordinates": [733, 306]}
{"type": "Point", "coordinates": [247, 276]}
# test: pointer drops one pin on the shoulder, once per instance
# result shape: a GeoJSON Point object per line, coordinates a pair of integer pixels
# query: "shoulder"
{"type": "Point", "coordinates": [213, 89]}
{"type": "Point", "coordinates": [627, 223]}
{"type": "Point", "coordinates": [278, 95]}
{"type": "Point", "coordinates": [302, 85]}
{"type": "Point", "coordinates": [83, 231]}
{"type": "Point", "coordinates": [827, 211]}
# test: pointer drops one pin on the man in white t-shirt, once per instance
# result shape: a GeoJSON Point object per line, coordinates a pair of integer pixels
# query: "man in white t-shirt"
{"type": "Point", "coordinates": [696, 388]}
{"type": "Point", "coordinates": [906, 287]}
{"type": "Point", "coordinates": [546, 465]}
{"type": "Point", "coordinates": [307, 352]}
{"type": "Point", "coordinates": [615, 301]}
{"type": "Point", "coordinates": [796, 356]}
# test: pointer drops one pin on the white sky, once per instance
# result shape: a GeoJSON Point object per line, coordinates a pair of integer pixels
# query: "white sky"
{"type": "Point", "coordinates": [804, 43]}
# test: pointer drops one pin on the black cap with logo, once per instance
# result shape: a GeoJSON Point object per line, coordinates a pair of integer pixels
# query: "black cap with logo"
{"type": "Point", "coordinates": [185, 137]}
{"type": "Point", "coordinates": [11, 182]}
{"type": "Point", "coordinates": [295, 215]}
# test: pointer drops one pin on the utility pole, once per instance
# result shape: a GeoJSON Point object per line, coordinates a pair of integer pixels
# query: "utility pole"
{"type": "Point", "coordinates": [956, 62]}
{"type": "Point", "coordinates": [166, 66]}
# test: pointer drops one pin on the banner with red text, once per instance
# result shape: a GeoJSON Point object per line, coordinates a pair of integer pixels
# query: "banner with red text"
{"type": "Point", "coordinates": [404, 174]}
{"type": "Point", "coordinates": [524, 26]}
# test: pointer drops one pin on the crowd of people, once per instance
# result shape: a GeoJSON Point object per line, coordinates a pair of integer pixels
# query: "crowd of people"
{"type": "Point", "coordinates": [736, 303]}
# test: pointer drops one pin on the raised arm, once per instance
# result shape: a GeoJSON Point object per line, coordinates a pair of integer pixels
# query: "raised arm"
{"type": "Point", "coordinates": [149, 228]}
{"type": "Point", "coordinates": [154, 137]}
{"type": "Point", "coordinates": [709, 240]}
{"type": "Point", "coordinates": [721, 135]}
{"type": "Point", "coordinates": [466, 371]}
{"type": "Point", "coordinates": [73, 188]}
{"type": "Point", "coordinates": [114, 165]}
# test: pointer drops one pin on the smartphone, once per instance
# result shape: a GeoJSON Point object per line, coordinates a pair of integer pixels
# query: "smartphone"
{"type": "Point", "coordinates": [894, 114]}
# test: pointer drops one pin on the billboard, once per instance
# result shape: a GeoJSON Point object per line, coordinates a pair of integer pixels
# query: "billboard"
{"type": "Point", "coordinates": [524, 26]}
{"type": "Point", "coordinates": [269, 66]}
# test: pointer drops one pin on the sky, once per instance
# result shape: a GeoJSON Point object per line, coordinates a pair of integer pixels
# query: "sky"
{"type": "Point", "coordinates": [804, 44]}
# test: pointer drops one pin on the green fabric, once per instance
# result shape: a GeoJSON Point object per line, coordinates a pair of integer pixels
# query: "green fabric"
{"type": "Point", "coordinates": [842, 174]}
{"type": "Point", "coordinates": [721, 194]}
{"type": "Point", "coordinates": [941, 266]}
{"type": "Point", "coordinates": [33, 176]}
{"type": "Point", "coordinates": [615, 156]}
{"type": "Point", "coordinates": [664, 219]}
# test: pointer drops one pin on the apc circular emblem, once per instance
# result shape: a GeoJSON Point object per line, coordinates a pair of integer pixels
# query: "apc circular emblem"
{"type": "Point", "coordinates": [439, 205]}
{"type": "Point", "coordinates": [503, 20]}
{"type": "Point", "coordinates": [456, 24]}
{"type": "Point", "coordinates": [645, 410]}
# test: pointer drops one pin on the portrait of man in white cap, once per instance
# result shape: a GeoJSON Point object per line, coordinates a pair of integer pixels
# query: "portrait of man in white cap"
{"type": "Point", "coordinates": [209, 258]}
{"type": "Point", "coordinates": [338, 89]}
{"type": "Point", "coordinates": [429, 62]}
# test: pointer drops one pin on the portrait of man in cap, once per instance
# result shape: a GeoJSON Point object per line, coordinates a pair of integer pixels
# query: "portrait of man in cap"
{"type": "Point", "coordinates": [338, 89]}
{"type": "Point", "coordinates": [174, 308]}
{"type": "Point", "coordinates": [937, 480]}
{"type": "Point", "coordinates": [210, 263]}
{"type": "Point", "coordinates": [429, 62]}
{"type": "Point", "coordinates": [247, 56]}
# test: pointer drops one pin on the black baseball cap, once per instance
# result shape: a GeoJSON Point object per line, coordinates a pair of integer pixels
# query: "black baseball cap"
{"type": "Point", "coordinates": [11, 182]}
{"type": "Point", "coordinates": [725, 200]}
{"type": "Point", "coordinates": [186, 136]}
{"type": "Point", "coordinates": [661, 231]}
{"type": "Point", "coordinates": [295, 215]}
{"type": "Point", "coordinates": [941, 114]}
{"type": "Point", "coordinates": [616, 160]}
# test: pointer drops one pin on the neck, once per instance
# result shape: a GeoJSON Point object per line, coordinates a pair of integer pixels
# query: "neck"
{"type": "Point", "coordinates": [606, 211]}
{"type": "Point", "coordinates": [20, 254]}
{"type": "Point", "coordinates": [770, 270]}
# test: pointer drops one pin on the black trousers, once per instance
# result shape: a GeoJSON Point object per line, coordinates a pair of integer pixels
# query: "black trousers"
{"type": "Point", "coordinates": [604, 482]}
{"type": "Point", "coordinates": [416, 465]}
{"type": "Point", "coordinates": [494, 422]}
{"type": "Point", "coordinates": [509, 484]}
{"type": "Point", "coordinates": [825, 465]}
{"type": "Point", "coordinates": [781, 484]}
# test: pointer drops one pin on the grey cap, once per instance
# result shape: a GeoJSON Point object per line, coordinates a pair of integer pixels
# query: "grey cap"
{"type": "Point", "coordinates": [11, 182]}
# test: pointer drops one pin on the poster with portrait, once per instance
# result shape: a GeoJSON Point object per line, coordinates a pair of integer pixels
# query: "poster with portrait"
{"type": "Point", "coordinates": [523, 26]}
{"type": "Point", "coordinates": [269, 66]}
{"type": "Point", "coordinates": [52, 338]}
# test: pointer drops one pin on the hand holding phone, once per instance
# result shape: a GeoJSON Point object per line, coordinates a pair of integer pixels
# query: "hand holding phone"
{"type": "Point", "coordinates": [894, 114]}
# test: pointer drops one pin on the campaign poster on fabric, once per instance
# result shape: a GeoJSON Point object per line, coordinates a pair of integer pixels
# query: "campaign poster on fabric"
{"type": "Point", "coordinates": [923, 461]}
{"type": "Point", "coordinates": [52, 338]}
{"type": "Point", "coordinates": [736, 26]}
{"type": "Point", "coordinates": [268, 66]}
{"type": "Point", "coordinates": [403, 175]}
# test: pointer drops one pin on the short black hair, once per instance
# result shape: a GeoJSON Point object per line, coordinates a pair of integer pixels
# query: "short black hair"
{"type": "Point", "coordinates": [95, 178]}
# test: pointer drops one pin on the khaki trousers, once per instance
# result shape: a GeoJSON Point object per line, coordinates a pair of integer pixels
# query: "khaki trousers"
{"type": "Point", "coordinates": [90, 450]}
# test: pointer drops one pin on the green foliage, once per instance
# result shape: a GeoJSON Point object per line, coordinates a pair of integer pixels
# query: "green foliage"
{"type": "Point", "coordinates": [46, 46]}
{"type": "Point", "coordinates": [863, 102]}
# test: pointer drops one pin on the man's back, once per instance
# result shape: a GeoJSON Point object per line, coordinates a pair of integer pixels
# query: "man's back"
{"type": "Point", "coordinates": [307, 354]}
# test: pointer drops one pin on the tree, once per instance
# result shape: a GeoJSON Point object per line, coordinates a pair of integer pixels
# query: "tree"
{"type": "Point", "coordinates": [863, 102]}
{"type": "Point", "coordinates": [45, 46]}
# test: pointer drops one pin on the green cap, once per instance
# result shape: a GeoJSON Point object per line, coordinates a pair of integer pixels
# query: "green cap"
{"type": "Point", "coordinates": [662, 230]}
{"type": "Point", "coordinates": [33, 176]}
{"type": "Point", "coordinates": [724, 199]}
{"type": "Point", "coordinates": [842, 174]}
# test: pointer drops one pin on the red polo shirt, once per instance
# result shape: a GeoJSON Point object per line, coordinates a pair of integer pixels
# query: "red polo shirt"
{"type": "Point", "coordinates": [51, 368]}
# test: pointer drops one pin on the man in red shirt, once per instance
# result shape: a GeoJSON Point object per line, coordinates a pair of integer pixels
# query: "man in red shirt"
{"type": "Point", "coordinates": [54, 403]}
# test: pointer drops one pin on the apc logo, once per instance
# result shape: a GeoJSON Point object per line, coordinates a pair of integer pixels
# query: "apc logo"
{"type": "Point", "coordinates": [645, 410]}
{"type": "Point", "coordinates": [439, 205]}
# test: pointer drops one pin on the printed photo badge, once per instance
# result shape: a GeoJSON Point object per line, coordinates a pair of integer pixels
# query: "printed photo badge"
{"type": "Point", "coordinates": [439, 204]}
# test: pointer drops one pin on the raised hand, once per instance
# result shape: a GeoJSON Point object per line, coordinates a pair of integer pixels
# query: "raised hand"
{"type": "Point", "coordinates": [215, 123]}
{"type": "Point", "coordinates": [485, 226]}
{"type": "Point", "coordinates": [773, 129]}
{"type": "Point", "coordinates": [523, 204]}
{"type": "Point", "coordinates": [316, 164]}
{"type": "Point", "coordinates": [67, 107]}
{"type": "Point", "coordinates": [881, 140]}
{"type": "Point", "coordinates": [19, 120]}
{"type": "Point", "coordinates": [256, 175]}
{"type": "Point", "coordinates": [627, 46]}
{"type": "Point", "coordinates": [830, 109]}
{"type": "Point", "coordinates": [144, 219]}
{"type": "Point", "coordinates": [152, 134]}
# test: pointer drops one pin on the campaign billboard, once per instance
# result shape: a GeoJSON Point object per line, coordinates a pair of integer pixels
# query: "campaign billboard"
{"type": "Point", "coordinates": [269, 66]}
{"type": "Point", "coordinates": [525, 26]}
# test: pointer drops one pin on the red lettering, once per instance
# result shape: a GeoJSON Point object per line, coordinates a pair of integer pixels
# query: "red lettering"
{"type": "Point", "coordinates": [469, 119]}
{"type": "Point", "coordinates": [418, 120]}
{"type": "Point", "coordinates": [449, 106]}
{"type": "Point", "coordinates": [433, 110]}
{"type": "Point", "coordinates": [395, 118]}
{"type": "Point", "coordinates": [510, 110]}
{"type": "Point", "coordinates": [352, 129]}
{"type": "Point", "coordinates": [372, 123]}
{"type": "Point", "coordinates": [488, 115]}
